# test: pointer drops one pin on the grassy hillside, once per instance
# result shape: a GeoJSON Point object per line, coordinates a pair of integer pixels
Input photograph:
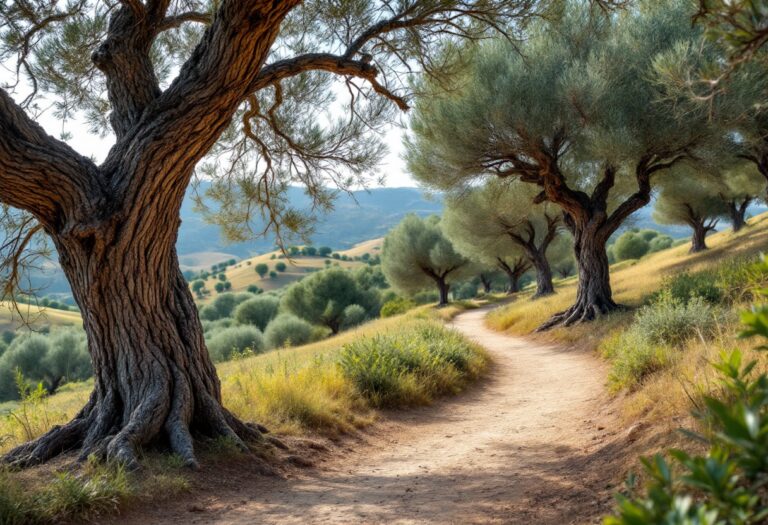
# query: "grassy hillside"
{"type": "Point", "coordinates": [632, 282]}
{"type": "Point", "coordinates": [10, 319]}
{"type": "Point", "coordinates": [243, 274]}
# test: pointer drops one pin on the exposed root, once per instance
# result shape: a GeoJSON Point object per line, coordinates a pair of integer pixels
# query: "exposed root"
{"type": "Point", "coordinates": [581, 312]}
{"type": "Point", "coordinates": [95, 431]}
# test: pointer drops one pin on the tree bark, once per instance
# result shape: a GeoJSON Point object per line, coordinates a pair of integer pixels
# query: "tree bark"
{"type": "Point", "coordinates": [154, 380]}
{"type": "Point", "coordinates": [737, 213]}
{"type": "Point", "coordinates": [594, 296]}
{"type": "Point", "coordinates": [544, 284]}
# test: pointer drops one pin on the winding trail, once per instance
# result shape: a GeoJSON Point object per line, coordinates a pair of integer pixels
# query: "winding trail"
{"type": "Point", "coordinates": [530, 444]}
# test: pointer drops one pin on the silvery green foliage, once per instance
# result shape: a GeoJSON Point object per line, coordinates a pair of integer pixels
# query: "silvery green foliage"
{"type": "Point", "coordinates": [416, 251]}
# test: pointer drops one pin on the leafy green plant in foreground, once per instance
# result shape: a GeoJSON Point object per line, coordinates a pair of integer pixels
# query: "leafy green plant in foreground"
{"type": "Point", "coordinates": [728, 483]}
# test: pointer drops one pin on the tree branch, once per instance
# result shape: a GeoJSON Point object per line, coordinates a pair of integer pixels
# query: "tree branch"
{"type": "Point", "coordinates": [38, 173]}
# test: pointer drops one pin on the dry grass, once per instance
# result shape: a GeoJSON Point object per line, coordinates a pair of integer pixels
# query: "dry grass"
{"type": "Point", "coordinates": [30, 314]}
{"type": "Point", "coordinates": [293, 391]}
{"type": "Point", "coordinates": [373, 247]}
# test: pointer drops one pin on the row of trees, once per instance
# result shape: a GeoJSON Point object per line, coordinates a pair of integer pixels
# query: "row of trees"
{"type": "Point", "coordinates": [591, 113]}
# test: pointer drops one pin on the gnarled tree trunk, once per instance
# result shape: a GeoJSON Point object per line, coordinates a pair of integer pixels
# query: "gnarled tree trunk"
{"type": "Point", "coordinates": [587, 217]}
{"type": "Point", "coordinates": [115, 227]}
{"type": "Point", "coordinates": [154, 380]}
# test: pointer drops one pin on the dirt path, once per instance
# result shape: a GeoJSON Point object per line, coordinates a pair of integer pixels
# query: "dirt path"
{"type": "Point", "coordinates": [528, 445]}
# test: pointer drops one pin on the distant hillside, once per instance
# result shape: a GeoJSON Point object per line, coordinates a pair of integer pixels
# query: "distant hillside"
{"type": "Point", "coordinates": [358, 217]}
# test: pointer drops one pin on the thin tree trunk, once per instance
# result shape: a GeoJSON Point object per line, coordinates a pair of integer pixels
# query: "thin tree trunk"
{"type": "Point", "coordinates": [514, 271]}
{"type": "Point", "coordinates": [486, 283]}
{"type": "Point", "coordinates": [443, 288]}
{"type": "Point", "coordinates": [738, 214]}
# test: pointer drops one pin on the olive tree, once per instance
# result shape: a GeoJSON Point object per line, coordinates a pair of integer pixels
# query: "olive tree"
{"type": "Point", "coordinates": [581, 116]}
{"type": "Point", "coordinates": [692, 201]}
{"type": "Point", "coordinates": [323, 297]}
{"type": "Point", "coordinates": [417, 255]}
{"type": "Point", "coordinates": [497, 223]}
{"type": "Point", "coordinates": [245, 93]}
{"type": "Point", "coordinates": [740, 185]}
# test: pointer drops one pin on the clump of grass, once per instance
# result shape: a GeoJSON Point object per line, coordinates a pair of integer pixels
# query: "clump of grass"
{"type": "Point", "coordinates": [633, 358]}
{"type": "Point", "coordinates": [659, 333]}
{"type": "Point", "coordinates": [99, 489]}
{"type": "Point", "coordinates": [411, 367]}
{"type": "Point", "coordinates": [294, 398]}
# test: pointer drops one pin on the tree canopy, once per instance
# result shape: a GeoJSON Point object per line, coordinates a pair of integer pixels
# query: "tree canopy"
{"type": "Point", "coordinates": [497, 223]}
{"type": "Point", "coordinates": [417, 255]}
{"type": "Point", "coordinates": [323, 297]}
{"type": "Point", "coordinates": [581, 114]}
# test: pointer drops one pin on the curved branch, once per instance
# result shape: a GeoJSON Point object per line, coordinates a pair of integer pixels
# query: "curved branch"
{"type": "Point", "coordinates": [339, 65]}
{"type": "Point", "coordinates": [38, 173]}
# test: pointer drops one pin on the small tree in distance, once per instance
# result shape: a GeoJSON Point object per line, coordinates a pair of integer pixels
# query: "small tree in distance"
{"type": "Point", "coordinates": [323, 297]}
{"type": "Point", "coordinates": [417, 255]}
{"type": "Point", "coordinates": [692, 201]}
{"type": "Point", "coordinates": [497, 225]}
{"type": "Point", "coordinates": [262, 269]}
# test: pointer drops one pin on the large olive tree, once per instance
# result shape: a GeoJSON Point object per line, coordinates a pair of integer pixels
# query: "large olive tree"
{"type": "Point", "coordinates": [242, 91]}
{"type": "Point", "coordinates": [579, 115]}
{"type": "Point", "coordinates": [497, 222]}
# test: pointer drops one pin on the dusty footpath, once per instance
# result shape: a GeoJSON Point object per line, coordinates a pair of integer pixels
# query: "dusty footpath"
{"type": "Point", "coordinates": [535, 442]}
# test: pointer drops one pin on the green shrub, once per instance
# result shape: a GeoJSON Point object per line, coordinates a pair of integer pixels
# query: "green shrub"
{"type": "Point", "coordinates": [648, 234]}
{"type": "Point", "coordinates": [633, 358]}
{"type": "Point", "coordinates": [281, 267]}
{"type": "Point", "coordinates": [630, 245]}
{"type": "Point", "coordinates": [396, 306]}
{"type": "Point", "coordinates": [465, 291]}
{"type": "Point", "coordinates": [662, 242]}
{"type": "Point", "coordinates": [726, 484]}
{"type": "Point", "coordinates": [684, 286]}
{"type": "Point", "coordinates": [212, 326]}
{"type": "Point", "coordinates": [411, 367]}
{"type": "Point", "coordinates": [671, 321]}
{"type": "Point", "coordinates": [68, 358]}
{"type": "Point", "coordinates": [209, 313]}
{"type": "Point", "coordinates": [223, 344]}
{"type": "Point", "coordinates": [287, 330]}
{"type": "Point", "coordinates": [258, 311]}
{"type": "Point", "coordinates": [26, 354]}
{"type": "Point", "coordinates": [354, 314]}
{"type": "Point", "coordinates": [426, 297]}
{"type": "Point", "coordinates": [225, 304]}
